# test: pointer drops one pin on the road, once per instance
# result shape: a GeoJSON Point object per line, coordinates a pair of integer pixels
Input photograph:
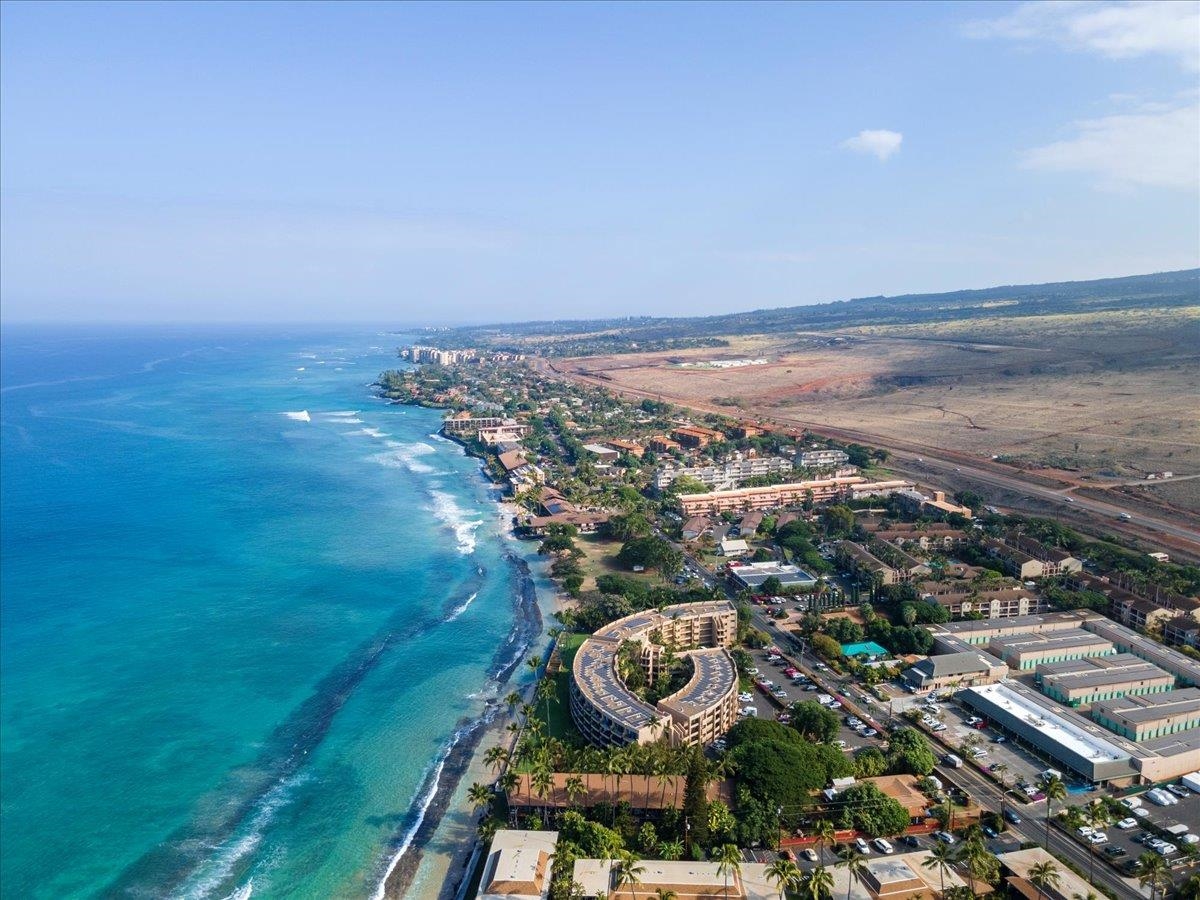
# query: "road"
{"type": "Point", "coordinates": [1033, 828]}
{"type": "Point", "coordinates": [918, 461]}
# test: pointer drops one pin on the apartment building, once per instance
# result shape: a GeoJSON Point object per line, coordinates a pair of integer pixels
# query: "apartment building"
{"type": "Point", "coordinates": [694, 436]}
{"type": "Point", "coordinates": [998, 603]}
{"type": "Point", "coordinates": [662, 444]}
{"type": "Point", "coordinates": [723, 476]}
{"type": "Point", "coordinates": [1182, 631]}
{"type": "Point", "coordinates": [820, 490]}
{"type": "Point", "coordinates": [821, 459]}
{"type": "Point", "coordinates": [1026, 558]}
{"type": "Point", "coordinates": [860, 559]}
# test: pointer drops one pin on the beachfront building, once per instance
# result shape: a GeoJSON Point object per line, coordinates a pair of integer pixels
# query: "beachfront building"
{"type": "Point", "coordinates": [518, 865]}
{"type": "Point", "coordinates": [1080, 682]}
{"type": "Point", "coordinates": [610, 714]}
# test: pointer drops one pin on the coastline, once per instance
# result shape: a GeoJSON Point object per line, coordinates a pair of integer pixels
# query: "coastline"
{"type": "Point", "coordinates": [430, 857]}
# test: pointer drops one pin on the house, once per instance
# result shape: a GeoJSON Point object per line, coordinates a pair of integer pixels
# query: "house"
{"type": "Point", "coordinates": [662, 444]}
{"type": "Point", "coordinates": [587, 522]}
{"type": "Point", "coordinates": [734, 548]}
{"type": "Point", "coordinates": [603, 453]}
{"type": "Point", "coordinates": [518, 865]}
{"type": "Point", "coordinates": [750, 522]}
{"type": "Point", "coordinates": [955, 669]}
{"type": "Point", "coordinates": [1019, 864]}
{"type": "Point", "coordinates": [694, 527]}
{"type": "Point", "coordinates": [631, 447]}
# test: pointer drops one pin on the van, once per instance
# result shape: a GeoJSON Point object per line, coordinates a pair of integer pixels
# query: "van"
{"type": "Point", "coordinates": [1051, 773]}
{"type": "Point", "coordinates": [953, 761]}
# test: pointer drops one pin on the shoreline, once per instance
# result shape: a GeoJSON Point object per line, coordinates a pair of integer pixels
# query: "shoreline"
{"type": "Point", "coordinates": [433, 853]}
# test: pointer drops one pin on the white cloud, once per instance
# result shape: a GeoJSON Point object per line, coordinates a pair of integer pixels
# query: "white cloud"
{"type": "Point", "coordinates": [880, 143]}
{"type": "Point", "coordinates": [1118, 30]}
{"type": "Point", "coordinates": [1147, 148]}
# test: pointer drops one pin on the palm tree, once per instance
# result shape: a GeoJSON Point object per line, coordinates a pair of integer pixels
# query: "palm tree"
{"type": "Point", "coordinates": [1090, 895]}
{"type": "Point", "coordinates": [575, 788]}
{"type": "Point", "coordinates": [1054, 790]}
{"type": "Point", "coordinates": [508, 781]}
{"type": "Point", "coordinates": [940, 858]}
{"type": "Point", "coordinates": [1098, 817]}
{"type": "Point", "coordinates": [729, 859]}
{"type": "Point", "coordinates": [665, 894]}
{"type": "Point", "coordinates": [543, 784]}
{"type": "Point", "coordinates": [480, 796]}
{"type": "Point", "coordinates": [817, 884]}
{"type": "Point", "coordinates": [547, 691]}
{"type": "Point", "coordinates": [1153, 871]}
{"type": "Point", "coordinates": [534, 663]}
{"type": "Point", "coordinates": [671, 849]}
{"type": "Point", "coordinates": [628, 870]}
{"type": "Point", "coordinates": [496, 757]}
{"type": "Point", "coordinates": [784, 873]}
{"type": "Point", "coordinates": [825, 833]}
{"type": "Point", "coordinates": [1043, 875]}
{"type": "Point", "coordinates": [1001, 770]}
{"type": "Point", "coordinates": [513, 700]}
{"type": "Point", "coordinates": [1190, 889]}
{"type": "Point", "coordinates": [855, 865]}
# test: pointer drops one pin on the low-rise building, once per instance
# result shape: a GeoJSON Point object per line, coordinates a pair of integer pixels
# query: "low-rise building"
{"type": "Point", "coordinates": [1184, 668]}
{"type": "Point", "coordinates": [963, 669]}
{"type": "Point", "coordinates": [937, 505]}
{"type": "Point", "coordinates": [518, 865]}
{"type": "Point", "coordinates": [1026, 558]}
{"type": "Point", "coordinates": [662, 444]}
{"type": "Point", "coordinates": [1143, 718]}
{"type": "Point", "coordinates": [821, 459]}
{"type": "Point", "coordinates": [726, 475]}
{"type": "Point", "coordinates": [694, 527]}
{"type": "Point", "coordinates": [602, 452]}
{"type": "Point", "coordinates": [633, 448]}
{"type": "Point", "coordinates": [751, 575]}
{"type": "Point", "coordinates": [1019, 864]}
{"type": "Point", "coordinates": [1182, 631]}
{"type": "Point", "coordinates": [695, 436]}
{"type": "Point", "coordinates": [1024, 652]}
{"type": "Point", "coordinates": [998, 603]}
{"type": "Point", "coordinates": [1080, 682]}
{"type": "Point", "coordinates": [733, 547]}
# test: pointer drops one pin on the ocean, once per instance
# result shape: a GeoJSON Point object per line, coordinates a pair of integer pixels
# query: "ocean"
{"type": "Point", "coordinates": [247, 608]}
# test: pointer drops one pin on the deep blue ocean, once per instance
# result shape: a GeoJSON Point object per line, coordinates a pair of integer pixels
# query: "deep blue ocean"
{"type": "Point", "coordinates": [245, 607]}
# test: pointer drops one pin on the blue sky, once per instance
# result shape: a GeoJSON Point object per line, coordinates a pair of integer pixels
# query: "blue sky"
{"type": "Point", "coordinates": [423, 163]}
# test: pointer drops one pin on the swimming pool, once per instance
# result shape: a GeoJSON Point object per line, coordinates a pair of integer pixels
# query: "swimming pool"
{"type": "Point", "coordinates": [864, 648]}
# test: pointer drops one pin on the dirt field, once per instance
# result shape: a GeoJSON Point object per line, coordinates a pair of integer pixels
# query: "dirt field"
{"type": "Point", "coordinates": [1101, 396]}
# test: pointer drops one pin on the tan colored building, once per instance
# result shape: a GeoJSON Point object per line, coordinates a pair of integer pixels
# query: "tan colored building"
{"type": "Point", "coordinates": [695, 436]}
{"type": "Point", "coordinates": [518, 865]}
{"type": "Point", "coordinates": [639, 791]}
{"type": "Point", "coordinates": [769, 496]}
{"type": "Point", "coordinates": [662, 444]}
{"type": "Point", "coordinates": [608, 713]}
{"type": "Point", "coordinates": [1019, 863]}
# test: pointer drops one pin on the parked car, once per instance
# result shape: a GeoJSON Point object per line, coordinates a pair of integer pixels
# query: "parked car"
{"type": "Point", "coordinates": [1126, 823]}
{"type": "Point", "coordinates": [990, 831]}
{"type": "Point", "coordinates": [1130, 802]}
{"type": "Point", "coordinates": [862, 846]}
{"type": "Point", "coordinates": [945, 837]}
{"type": "Point", "coordinates": [1179, 790]}
{"type": "Point", "coordinates": [911, 840]}
{"type": "Point", "coordinates": [1115, 852]}
{"type": "Point", "coordinates": [1098, 838]}
{"type": "Point", "coordinates": [1012, 817]}
{"type": "Point", "coordinates": [810, 854]}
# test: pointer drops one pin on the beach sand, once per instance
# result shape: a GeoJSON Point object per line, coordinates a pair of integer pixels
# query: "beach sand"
{"type": "Point", "coordinates": [436, 864]}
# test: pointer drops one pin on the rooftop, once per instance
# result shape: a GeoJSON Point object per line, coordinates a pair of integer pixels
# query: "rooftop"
{"type": "Point", "coordinates": [1099, 671]}
{"type": "Point", "coordinates": [1024, 705]}
{"type": "Point", "coordinates": [1151, 707]}
{"type": "Point", "coordinates": [1067, 639]}
{"type": "Point", "coordinates": [950, 664]}
{"type": "Point", "coordinates": [713, 676]}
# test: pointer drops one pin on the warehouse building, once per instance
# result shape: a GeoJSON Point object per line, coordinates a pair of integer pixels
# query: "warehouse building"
{"type": "Point", "coordinates": [1186, 669]}
{"type": "Point", "coordinates": [1147, 717]}
{"type": "Point", "coordinates": [1080, 682]}
{"type": "Point", "coordinates": [1024, 652]}
{"type": "Point", "coordinates": [751, 575]}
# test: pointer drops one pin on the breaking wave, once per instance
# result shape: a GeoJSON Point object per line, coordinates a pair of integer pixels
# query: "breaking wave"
{"type": "Point", "coordinates": [454, 517]}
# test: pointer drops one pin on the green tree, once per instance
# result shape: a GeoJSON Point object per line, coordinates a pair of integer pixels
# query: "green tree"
{"type": "Point", "coordinates": [627, 869]}
{"type": "Point", "coordinates": [940, 858]}
{"type": "Point", "coordinates": [1153, 872]}
{"type": "Point", "coordinates": [909, 753]}
{"type": "Point", "coordinates": [855, 864]}
{"type": "Point", "coordinates": [695, 799]}
{"type": "Point", "coordinates": [480, 796]}
{"type": "Point", "coordinates": [1044, 875]}
{"type": "Point", "coordinates": [785, 873]}
{"type": "Point", "coordinates": [869, 762]}
{"type": "Point", "coordinates": [1055, 792]}
{"type": "Point", "coordinates": [865, 808]}
{"type": "Point", "coordinates": [815, 722]}
{"type": "Point", "coordinates": [825, 834]}
{"type": "Point", "coordinates": [729, 862]}
{"type": "Point", "coordinates": [817, 884]}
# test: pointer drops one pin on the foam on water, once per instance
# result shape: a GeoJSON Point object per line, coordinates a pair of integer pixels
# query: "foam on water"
{"type": "Point", "coordinates": [405, 456]}
{"type": "Point", "coordinates": [453, 516]}
{"type": "Point", "coordinates": [300, 416]}
{"type": "Point", "coordinates": [461, 608]}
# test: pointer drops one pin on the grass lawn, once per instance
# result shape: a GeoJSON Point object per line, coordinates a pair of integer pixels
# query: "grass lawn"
{"type": "Point", "coordinates": [600, 558]}
{"type": "Point", "coordinates": [560, 725]}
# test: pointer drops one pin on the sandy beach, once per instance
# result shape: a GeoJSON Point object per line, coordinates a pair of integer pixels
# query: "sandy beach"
{"type": "Point", "coordinates": [435, 864]}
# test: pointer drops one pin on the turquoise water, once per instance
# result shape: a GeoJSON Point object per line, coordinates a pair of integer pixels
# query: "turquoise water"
{"type": "Point", "coordinates": [864, 648]}
{"type": "Point", "coordinates": [235, 641]}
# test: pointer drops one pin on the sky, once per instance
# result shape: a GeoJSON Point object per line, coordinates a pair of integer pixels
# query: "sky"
{"type": "Point", "coordinates": [443, 163]}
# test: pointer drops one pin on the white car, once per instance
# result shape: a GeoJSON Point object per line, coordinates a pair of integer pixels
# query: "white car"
{"type": "Point", "coordinates": [1085, 830]}
{"type": "Point", "coordinates": [1130, 822]}
{"type": "Point", "coordinates": [753, 670]}
{"type": "Point", "coordinates": [1131, 802]}
{"type": "Point", "coordinates": [862, 846]}
{"type": "Point", "coordinates": [1190, 839]}
{"type": "Point", "coordinates": [1179, 790]}
{"type": "Point", "coordinates": [1141, 812]}
{"type": "Point", "coordinates": [745, 696]}
{"type": "Point", "coordinates": [939, 727]}
{"type": "Point", "coordinates": [1098, 838]}
{"type": "Point", "coordinates": [945, 837]}
{"type": "Point", "coordinates": [810, 854]}
{"type": "Point", "coordinates": [748, 711]}
{"type": "Point", "coordinates": [1167, 849]}
{"type": "Point", "coordinates": [974, 720]}
{"type": "Point", "coordinates": [882, 846]}
{"type": "Point", "coordinates": [1162, 798]}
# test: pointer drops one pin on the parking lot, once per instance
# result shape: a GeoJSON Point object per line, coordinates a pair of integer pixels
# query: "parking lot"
{"type": "Point", "coordinates": [797, 692]}
{"type": "Point", "coordinates": [1125, 844]}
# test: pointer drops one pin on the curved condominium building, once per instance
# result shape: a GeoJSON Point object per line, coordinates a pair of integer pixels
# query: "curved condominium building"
{"type": "Point", "coordinates": [608, 713]}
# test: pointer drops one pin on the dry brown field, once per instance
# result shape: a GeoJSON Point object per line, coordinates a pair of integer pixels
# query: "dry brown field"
{"type": "Point", "coordinates": [1110, 395]}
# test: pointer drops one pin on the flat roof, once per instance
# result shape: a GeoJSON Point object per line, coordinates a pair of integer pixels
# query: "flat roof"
{"type": "Point", "coordinates": [754, 574]}
{"type": "Point", "coordinates": [1099, 671]}
{"type": "Point", "coordinates": [1017, 624]}
{"type": "Point", "coordinates": [1067, 639]}
{"type": "Point", "coordinates": [1151, 707]}
{"type": "Point", "coordinates": [1164, 657]}
{"type": "Point", "coordinates": [595, 671]}
{"type": "Point", "coordinates": [1025, 707]}
{"type": "Point", "coordinates": [1174, 744]}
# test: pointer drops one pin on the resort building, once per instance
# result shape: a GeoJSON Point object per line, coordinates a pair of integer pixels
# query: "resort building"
{"type": "Point", "coordinates": [955, 670]}
{"type": "Point", "coordinates": [878, 489]}
{"type": "Point", "coordinates": [518, 865]}
{"type": "Point", "coordinates": [508, 431]}
{"type": "Point", "coordinates": [467, 425]}
{"type": "Point", "coordinates": [1081, 682]}
{"type": "Point", "coordinates": [860, 559]}
{"type": "Point", "coordinates": [751, 575]}
{"type": "Point", "coordinates": [608, 713]}
{"type": "Point", "coordinates": [1027, 651]}
{"type": "Point", "coordinates": [820, 490]}
{"type": "Point", "coordinates": [724, 476]}
{"type": "Point", "coordinates": [1024, 557]}
{"type": "Point", "coordinates": [1146, 717]}
{"type": "Point", "coordinates": [642, 792]}
{"type": "Point", "coordinates": [933, 536]}
{"type": "Point", "coordinates": [1182, 631]}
